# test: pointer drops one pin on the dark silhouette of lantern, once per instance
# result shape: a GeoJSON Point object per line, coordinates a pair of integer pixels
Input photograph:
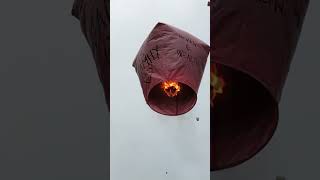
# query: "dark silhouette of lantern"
{"type": "Point", "coordinates": [94, 17]}
{"type": "Point", "coordinates": [252, 44]}
{"type": "Point", "coordinates": [170, 65]}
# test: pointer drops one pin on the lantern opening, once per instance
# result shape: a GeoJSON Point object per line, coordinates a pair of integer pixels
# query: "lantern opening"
{"type": "Point", "coordinates": [172, 99]}
{"type": "Point", "coordinates": [244, 117]}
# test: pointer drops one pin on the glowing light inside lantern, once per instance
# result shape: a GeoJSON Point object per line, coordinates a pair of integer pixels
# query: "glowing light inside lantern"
{"type": "Point", "coordinates": [171, 88]}
{"type": "Point", "coordinates": [217, 84]}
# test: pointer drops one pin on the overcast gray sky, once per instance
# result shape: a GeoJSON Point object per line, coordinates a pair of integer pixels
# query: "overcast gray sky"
{"type": "Point", "coordinates": [52, 110]}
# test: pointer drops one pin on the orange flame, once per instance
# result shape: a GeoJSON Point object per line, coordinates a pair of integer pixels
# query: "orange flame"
{"type": "Point", "coordinates": [217, 83]}
{"type": "Point", "coordinates": [171, 88]}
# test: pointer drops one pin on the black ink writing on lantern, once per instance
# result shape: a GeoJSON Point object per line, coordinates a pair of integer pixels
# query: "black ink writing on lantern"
{"type": "Point", "coordinates": [192, 42]}
{"type": "Point", "coordinates": [146, 61]}
{"type": "Point", "coordinates": [190, 59]}
{"type": "Point", "coordinates": [185, 55]}
{"type": "Point", "coordinates": [151, 55]}
{"type": "Point", "coordinates": [278, 6]}
{"type": "Point", "coordinates": [188, 40]}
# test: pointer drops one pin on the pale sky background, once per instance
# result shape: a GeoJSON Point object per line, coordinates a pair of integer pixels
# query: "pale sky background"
{"type": "Point", "coordinates": [144, 144]}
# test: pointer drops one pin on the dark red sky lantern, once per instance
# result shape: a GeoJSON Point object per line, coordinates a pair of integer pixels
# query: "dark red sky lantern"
{"type": "Point", "coordinates": [170, 65]}
{"type": "Point", "coordinates": [252, 45]}
{"type": "Point", "coordinates": [94, 17]}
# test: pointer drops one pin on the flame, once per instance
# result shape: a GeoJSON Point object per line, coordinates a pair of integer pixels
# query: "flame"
{"type": "Point", "coordinates": [217, 83]}
{"type": "Point", "coordinates": [171, 88]}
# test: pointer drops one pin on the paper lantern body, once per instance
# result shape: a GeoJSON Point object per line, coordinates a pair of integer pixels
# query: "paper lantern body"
{"type": "Point", "coordinates": [95, 25]}
{"type": "Point", "coordinates": [253, 42]}
{"type": "Point", "coordinates": [171, 55]}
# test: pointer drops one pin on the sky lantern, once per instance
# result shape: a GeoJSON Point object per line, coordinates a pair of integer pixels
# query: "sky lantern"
{"type": "Point", "coordinates": [94, 17]}
{"type": "Point", "coordinates": [252, 45]}
{"type": "Point", "coordinates": [170, 65]}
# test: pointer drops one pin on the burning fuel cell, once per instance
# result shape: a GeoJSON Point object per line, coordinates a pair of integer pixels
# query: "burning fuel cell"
{"type": "Point", "coordinates": [171, 88]}
{"type": "Point", "coordinates": [170, 65]}
{"type": "Point", "coordinates": [216, 83]}
{"type": "Point", "coordinates": [252, 45]}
